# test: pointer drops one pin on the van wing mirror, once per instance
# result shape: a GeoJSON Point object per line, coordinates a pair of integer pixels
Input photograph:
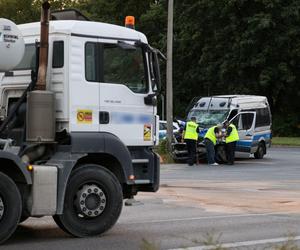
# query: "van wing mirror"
{"type": "Point", "coordinates": [249, 133]}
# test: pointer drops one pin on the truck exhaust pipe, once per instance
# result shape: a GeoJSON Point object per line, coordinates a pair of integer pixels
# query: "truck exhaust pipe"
{"type": "Point", "coordinates": [40, 119]}
{"type": "Point", "coordinates": [44, 44]}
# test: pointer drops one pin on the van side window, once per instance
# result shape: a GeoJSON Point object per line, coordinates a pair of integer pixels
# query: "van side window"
{"type": "Point", "coordinates": [58, 54]}
{"type": "Point", "coordinates": [262, 117]}
{"type": "Point", "coordinates": [247, 120]}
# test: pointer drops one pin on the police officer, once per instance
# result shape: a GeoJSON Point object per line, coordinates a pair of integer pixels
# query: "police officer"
{"type": "Point", "coordinates": [232, 137]}
{"type": "Point", "coordinates": [190, 135]}
{"type": "Point", "coordinates": [210, 140]}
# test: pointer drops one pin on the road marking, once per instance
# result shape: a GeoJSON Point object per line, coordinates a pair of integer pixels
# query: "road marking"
{"type": "Point", "coordinates": [206, 218]}
{"type": "Point", "coordinates": [243, 243]}
{"type": "Point", "coordinates": [254, 162]}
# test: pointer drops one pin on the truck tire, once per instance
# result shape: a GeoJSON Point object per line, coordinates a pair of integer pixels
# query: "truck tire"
{"type": "Point", "coordinates": [10, 207]}
{"type": "Point", "coordinates": [260, 152]}
{"type": "Point", "coordinates": [23, 218]}
{"type": "Point", "coordinates": [93, 202]}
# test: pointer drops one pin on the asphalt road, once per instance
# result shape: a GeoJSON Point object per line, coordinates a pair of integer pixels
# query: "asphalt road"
{"type": "Point", "coordinates": [252, 205]}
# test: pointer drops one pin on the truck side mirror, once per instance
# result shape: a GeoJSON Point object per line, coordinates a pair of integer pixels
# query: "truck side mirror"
{"type": "Point", "coordinates": [156, 69]}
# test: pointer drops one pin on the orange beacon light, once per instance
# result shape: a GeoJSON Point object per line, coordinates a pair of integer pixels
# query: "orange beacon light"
{"type": "Point", "coordinates": [130, 22]}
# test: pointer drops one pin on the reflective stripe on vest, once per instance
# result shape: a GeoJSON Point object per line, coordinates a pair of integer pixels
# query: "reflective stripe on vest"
{"type": "Point", "coordinates": [191, 131]}
{"type": "Point", "coordinates": [210, 134]}
{"type": "Point", "coordinates": [234, 136]}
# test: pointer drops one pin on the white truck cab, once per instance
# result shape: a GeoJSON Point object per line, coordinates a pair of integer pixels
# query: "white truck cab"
{"type": "Point", "coordinates": [76, 144]}
{"type": "Point", "coordinates": [100, 74]}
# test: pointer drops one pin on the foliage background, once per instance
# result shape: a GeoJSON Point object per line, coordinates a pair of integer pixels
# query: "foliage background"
{"type": "Point", "coordinates": [220, 47]}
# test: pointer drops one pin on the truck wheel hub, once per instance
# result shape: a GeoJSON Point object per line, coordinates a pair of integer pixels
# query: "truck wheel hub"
{"type": "Point", "coordinates": [92, 200]}
{"type": "Point", "coordinates": [1, 208]}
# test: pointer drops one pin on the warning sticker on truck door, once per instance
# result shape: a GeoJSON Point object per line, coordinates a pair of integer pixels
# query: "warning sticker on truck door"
{"type": "Point", "coordinates": [147, 132]}
{"type": "Point", "coordinates": [84, 116]}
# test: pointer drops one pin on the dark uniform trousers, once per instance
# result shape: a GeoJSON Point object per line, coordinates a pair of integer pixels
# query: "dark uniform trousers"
{"type": "Point", "coordinates": [230, 149]}
{"type": "Point", "coordinates": [191, 148]}
{"type": "Point", "coordinates": [210, 151]}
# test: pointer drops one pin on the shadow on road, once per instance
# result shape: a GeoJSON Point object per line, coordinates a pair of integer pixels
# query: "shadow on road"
{"type": "Point", "coordinates": [29, 234]}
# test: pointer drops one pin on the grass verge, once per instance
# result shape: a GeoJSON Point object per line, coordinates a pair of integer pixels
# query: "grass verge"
{"type": "Point", "coordinates": [286, 141]}
{"type": "Point", "coordinates": [162, 150]}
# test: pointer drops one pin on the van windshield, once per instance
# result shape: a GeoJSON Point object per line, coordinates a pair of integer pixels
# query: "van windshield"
{"type": "Point", "coordinates": [208, 118]}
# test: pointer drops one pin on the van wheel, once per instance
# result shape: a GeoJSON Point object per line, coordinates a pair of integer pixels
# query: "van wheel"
{"type": "Point", "coordinates": [259, 154]}
{"type": "Point", "coordinates": [93, 202]}
{"type": "Point", "coordinates": [10, 207]}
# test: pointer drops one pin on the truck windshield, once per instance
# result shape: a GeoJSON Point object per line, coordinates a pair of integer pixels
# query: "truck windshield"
{"type": "Point", "coordinates": [208, 118]}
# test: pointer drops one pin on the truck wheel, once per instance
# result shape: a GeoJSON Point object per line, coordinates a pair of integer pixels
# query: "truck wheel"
{"type": "Point", "coordinates": [23, 218]}
{"type": "Point", "coordinates": [10, 207]}
{"type": "Point", "coordinates": [260, 152]}
{"type": "Point", "coordinates": [93, 202]}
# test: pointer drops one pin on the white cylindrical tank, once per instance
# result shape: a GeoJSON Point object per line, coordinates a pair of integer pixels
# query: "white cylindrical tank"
{"type": "Point", "coordinates": [12, 45]}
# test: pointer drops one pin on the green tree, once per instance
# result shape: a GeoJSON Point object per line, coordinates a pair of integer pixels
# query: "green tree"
{"type": "Point", "coordinates": [239, 46]}
{"type": "Point", "coordinates": [114, 11]}
{"type": "Point", "coordinates": [27, 11]}
{"type": "Point", "coordinates": [19, 11]}
{"type": "Point", "coordinates": [220, 47]}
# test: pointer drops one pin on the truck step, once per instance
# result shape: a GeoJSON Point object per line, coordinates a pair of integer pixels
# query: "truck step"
{"type": "Point", "coordinates": [139, 161]}
{"type": "Point", "coordinates": [141, 181]}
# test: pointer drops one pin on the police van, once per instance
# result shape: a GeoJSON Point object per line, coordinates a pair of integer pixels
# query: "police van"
{"type": "Point", "coordinates": [251, 115]}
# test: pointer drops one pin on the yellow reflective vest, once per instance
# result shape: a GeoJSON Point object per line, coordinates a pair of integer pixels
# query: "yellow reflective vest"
{"type": "Point", "coordinates": [191, 131]}
{"type": "Point", "coordinates": [210, 134]}
{"type": "Point", "coordinates": [234, 136]}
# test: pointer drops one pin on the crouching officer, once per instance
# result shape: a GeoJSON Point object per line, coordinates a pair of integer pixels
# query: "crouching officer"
{"type": "Point", "coordinates": [210, 140]}
{"type": "Point", "coordinates": [190, 135]}
{"type": "Point", "coordinates": [232, 137]}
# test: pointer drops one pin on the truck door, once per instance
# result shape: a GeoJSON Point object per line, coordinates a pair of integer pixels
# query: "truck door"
{"type": "Point", "coordinates": [124, 84]}
{"type": "Point", "coordinates": [84, 84]}
{"type": "Point", "coordinates": [245, 124]}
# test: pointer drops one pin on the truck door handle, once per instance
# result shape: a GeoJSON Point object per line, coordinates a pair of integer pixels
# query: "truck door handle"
{"type": "Point", "coordinates": [103, 117]}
